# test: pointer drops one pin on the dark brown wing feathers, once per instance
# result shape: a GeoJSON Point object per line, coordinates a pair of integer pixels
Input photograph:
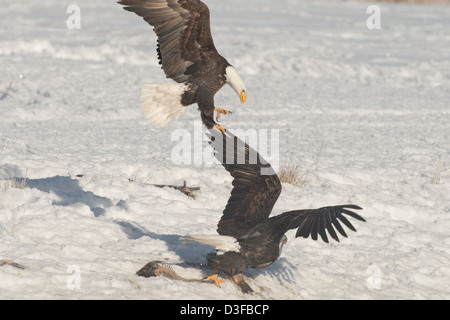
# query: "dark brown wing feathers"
{"type": "Point", "coordinates": [184, 44]}
{"type": "Point", "coordinates": [253, 195]}
{"type": "Point", "coordinates": [183, 31]}
{"type": "Point", "coordinates": [313, 222]}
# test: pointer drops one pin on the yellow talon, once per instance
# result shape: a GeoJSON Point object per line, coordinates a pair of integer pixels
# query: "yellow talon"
{"type": "Point", "coordinates": [214, 278]}
{"type": "Point", "coordinates": [219, 128]}
{"type": "Point", "coordinates": [221, 111]}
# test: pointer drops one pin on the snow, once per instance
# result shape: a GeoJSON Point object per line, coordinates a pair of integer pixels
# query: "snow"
{"type": "Point", "coordinates": [372, 105]}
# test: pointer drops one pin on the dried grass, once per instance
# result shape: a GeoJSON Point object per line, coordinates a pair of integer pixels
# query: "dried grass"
{"type": "Point", "coordinates": [290, 172]}
{"type": "Point", "coordinates": [15, 183]}
{"type": "Point", "coordinates": [437, 173]}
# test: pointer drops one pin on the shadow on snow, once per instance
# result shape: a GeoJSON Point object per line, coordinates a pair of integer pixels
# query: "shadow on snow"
{"type": "Point", "coordinates": [69, 192]}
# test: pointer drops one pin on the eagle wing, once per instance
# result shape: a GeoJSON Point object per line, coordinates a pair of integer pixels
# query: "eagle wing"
{"type": "Point", "coordinates": [183, 31]}
{"type": "Point", "coordinates": [256, 187]}
{"type": "Point", "coordinates": [312, 222]}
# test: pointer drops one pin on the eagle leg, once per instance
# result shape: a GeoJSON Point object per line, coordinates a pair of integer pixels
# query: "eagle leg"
{"type": "Point", "coordinates": [220, 111]}
{"type": "Point", "coordinates": [219, 128]}
{"type": "Point", "coordinates": [214, 278]}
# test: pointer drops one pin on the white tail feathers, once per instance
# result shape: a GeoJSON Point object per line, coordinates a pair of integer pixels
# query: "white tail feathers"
{"type": "Point", "coordinates": [221, 243]}
{"type": "Point", "coordinates": [162, 102]}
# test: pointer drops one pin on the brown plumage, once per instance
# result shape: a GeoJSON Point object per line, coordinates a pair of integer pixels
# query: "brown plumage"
{"type": "Point", "coordinates": [253, 195]}
{"type": "Point", "coordinates": [186, 51]}
{"type": "Point", "coordinates": [246, 215]}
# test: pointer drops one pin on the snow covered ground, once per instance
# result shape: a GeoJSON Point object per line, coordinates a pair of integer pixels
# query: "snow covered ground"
{"type": "Point", "coordinates": [372, 104]}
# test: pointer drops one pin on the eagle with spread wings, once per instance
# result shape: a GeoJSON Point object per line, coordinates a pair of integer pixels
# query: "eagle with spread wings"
{"type": "Point", "coordinates": [188, 56]}
{"type": "Point", "coordinates": [247, 235]}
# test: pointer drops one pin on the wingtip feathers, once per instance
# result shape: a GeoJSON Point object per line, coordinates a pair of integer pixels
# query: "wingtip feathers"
{"type": "Point", "coordinates": [319, 221]}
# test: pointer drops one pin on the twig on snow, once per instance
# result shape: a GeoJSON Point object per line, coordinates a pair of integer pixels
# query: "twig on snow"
{"type": "Point", "coordinates": [11, 263]}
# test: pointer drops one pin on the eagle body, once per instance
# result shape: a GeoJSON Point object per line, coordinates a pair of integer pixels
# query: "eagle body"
{"type": "Point", "coordinates": [247, 236]}
{"type": "Point", "coordinates": [256, 252]}
{"type": "Point", "coordinates": [187, 55]}
{"type": "Point", "coordinates": [261, 251]}
{"type": "Point", "coordinates": [203, 86]}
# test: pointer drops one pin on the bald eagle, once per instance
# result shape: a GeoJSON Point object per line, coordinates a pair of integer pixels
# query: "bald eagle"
{"type": "Point", "coordinates": [247, 237]}
{"type": "Point", "coordinates": [187, 55]}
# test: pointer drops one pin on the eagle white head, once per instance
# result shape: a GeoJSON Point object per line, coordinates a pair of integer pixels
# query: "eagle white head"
{"type": "Point", "coordinates": [235, 81]}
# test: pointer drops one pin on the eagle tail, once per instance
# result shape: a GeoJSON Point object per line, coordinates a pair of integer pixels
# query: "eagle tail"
{"type": "Point", "coordinates": [221, 243]}
{"type": "Point", "coordinates": [162, 102]}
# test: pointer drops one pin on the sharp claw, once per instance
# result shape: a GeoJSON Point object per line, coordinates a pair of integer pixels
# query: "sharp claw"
{"type": "Point", "coordinates": [218, 127]}
{"type": "Point", "coordinates": [221, 111]}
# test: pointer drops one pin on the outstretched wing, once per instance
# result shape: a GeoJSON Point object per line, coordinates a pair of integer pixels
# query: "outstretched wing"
{"type": "Point", "coordinates": [311, 222]}
{"type": "Point", "coordinates": [183, 31]}
{"type": "Point", "coordinates": [256, 187]}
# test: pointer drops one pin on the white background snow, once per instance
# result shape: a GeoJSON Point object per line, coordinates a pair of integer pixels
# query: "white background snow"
{"type": "Point", "coordinates": [378, 100]}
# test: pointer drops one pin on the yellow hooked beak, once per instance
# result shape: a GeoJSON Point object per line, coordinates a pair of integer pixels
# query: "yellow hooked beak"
{"type": "Point", "coordinates": [243, 96]}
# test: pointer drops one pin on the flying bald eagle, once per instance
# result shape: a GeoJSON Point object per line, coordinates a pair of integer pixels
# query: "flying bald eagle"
{"type": "Point", "coordinates": [247, 237]}
{"type": "Point", "coordinates": [187, 55]}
